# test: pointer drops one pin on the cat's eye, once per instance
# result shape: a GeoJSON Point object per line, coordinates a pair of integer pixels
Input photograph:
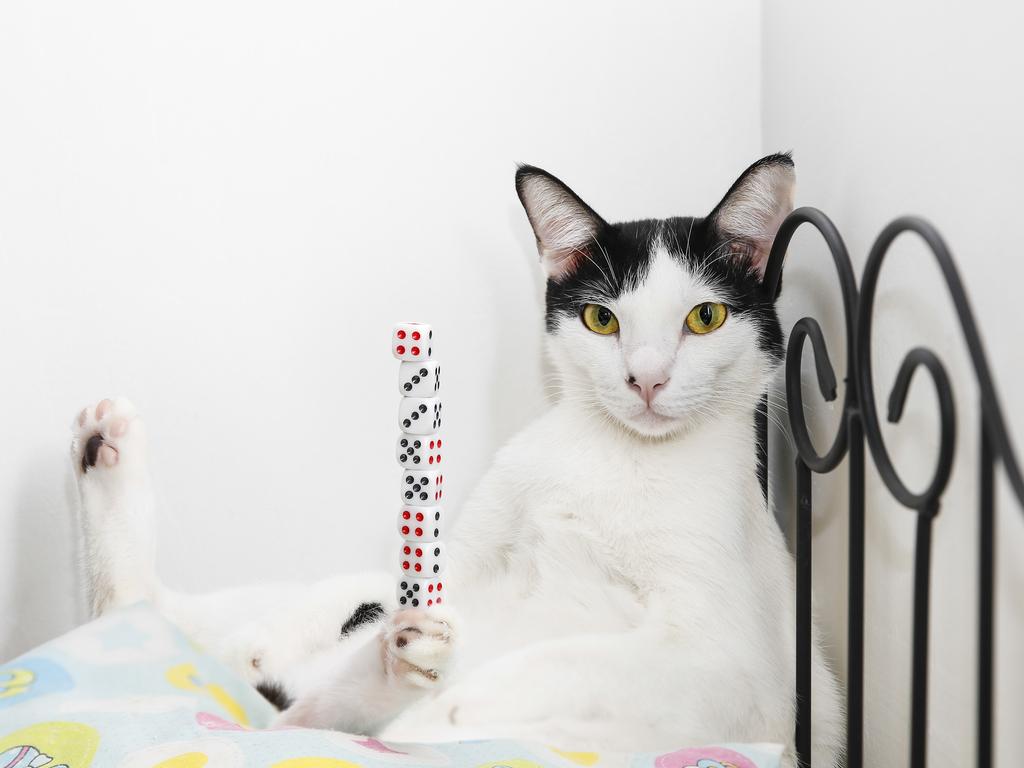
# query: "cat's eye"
{"type": "Point", "coordinates": [600, 319]}
{"type": "Point", "coordinates": [706, 317]}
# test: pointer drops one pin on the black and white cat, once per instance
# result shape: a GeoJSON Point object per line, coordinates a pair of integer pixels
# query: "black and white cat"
{"type": "Point", "coordinates": [621, 582]}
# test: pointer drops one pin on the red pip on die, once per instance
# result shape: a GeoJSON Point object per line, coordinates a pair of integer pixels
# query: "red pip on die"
{"type": "Point", "coordinates": [422, 559]}
{"type": "Point", "coordinates": [417, 524]}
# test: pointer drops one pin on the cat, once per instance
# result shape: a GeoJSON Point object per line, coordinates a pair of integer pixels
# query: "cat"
{"type": "Point", "coordinates": [620, 580]}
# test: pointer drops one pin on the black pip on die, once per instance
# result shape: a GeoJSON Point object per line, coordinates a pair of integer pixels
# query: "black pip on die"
{"type": "Point", "coordinates": [419, 415]}
{"type": "Point", "coordinates": [419, 452]}
{"type": "Point", "coordinates": [416, 592]}
{"type": "Point", "coordinates": [422, 486]}
{"type": "Point", "coordinates": [419, 379]}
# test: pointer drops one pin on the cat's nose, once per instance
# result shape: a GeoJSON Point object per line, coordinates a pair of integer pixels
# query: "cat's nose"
{"type": "Point", "coordinates": [647, 384]}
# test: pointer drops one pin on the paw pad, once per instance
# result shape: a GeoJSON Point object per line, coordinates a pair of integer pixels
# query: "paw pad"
{"type": "Point", "coordinates": [102, 408]}
{"type": "Point", "coordinates": [101, 432]}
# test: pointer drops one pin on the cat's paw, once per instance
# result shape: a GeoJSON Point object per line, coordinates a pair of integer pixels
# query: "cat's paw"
{"type": "Point", "coordinates": [245, 651]}
{"type": "Point", "coordinates": [105, 437]}
{"type": "Point", "coordinates": [419, 645]}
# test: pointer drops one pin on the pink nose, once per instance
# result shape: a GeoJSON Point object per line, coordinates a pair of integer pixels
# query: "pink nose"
{"type": "Point", "coordinates": [647, 385]}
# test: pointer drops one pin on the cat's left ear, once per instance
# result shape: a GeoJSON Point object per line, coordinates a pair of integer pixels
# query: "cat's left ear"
{"type": "Point", "coordinates": [748, 218]}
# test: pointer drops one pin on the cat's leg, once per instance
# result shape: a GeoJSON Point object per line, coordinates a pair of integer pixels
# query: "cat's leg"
{"type": "Point", "coordinates": [358, 689]}
{"type": "Point", "coordinates": [263, 631]}
{"type": "Point", "coordinates": [555, 691]}
{"type": "Point", "coordinates": [624, 689]}
{"type": "Point", "coordinates": [616, 690]}
{"type": "Point", "coordinates": [290, 622]}
{"type": "Point", "coordinates": [108, 455]}
{"type": "Point", "coordinates": [108, 449]}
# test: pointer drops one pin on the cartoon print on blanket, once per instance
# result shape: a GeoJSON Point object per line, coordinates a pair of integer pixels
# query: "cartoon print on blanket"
{"type": "Point", "coordinates": [585, 759]}
{"type": "Point", "coordinates": [703, 757]}
{"type": "Point", "coordinates": [186, 677]}
{"type": "Point", "coordinates": [117, 639]}
{"type": "Point", "coordinates": [193, 753]}
{"type": "Point", "coordinates": [373, 750]}
{"type": "Point", "coordinates": [31, 678]}
{"type": "Point", "coordinates": [315, 762]}
{"type": "Point", "coordinates": [26, 757]}
{"type": "Point", "coordinates": [49, 745]}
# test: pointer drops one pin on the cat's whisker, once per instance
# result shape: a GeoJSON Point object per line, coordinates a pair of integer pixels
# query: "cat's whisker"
{"type": "Point", "coordinates": [608, 283]}
{"type": "Point", "coordinates": [608, 261]}
{"type": "Point", "coordinates": [717, 255]}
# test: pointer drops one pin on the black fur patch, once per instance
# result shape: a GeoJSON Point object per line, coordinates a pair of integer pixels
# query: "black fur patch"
{"type": "Point", "coordinates": [275, 694]}
{"type": "Point", "coordinates": [91, 452]}
{"type": "Point", "coordinates": [365, 613]}
{"type": "Point", "coordinates": [620, 258]}
{"type": "Point", "coordinates": [628, 248]}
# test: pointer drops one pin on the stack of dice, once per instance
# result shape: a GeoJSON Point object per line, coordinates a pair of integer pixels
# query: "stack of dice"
{"type": "Point", "coordinates": [419, 452]}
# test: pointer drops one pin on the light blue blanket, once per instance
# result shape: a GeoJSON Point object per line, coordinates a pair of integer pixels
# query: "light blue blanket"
{"type": "Point", "coordinates": [130, 691]}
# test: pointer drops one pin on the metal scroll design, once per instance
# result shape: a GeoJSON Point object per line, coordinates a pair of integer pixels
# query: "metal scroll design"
{"type": "Point", "coordinates": [859, 422]}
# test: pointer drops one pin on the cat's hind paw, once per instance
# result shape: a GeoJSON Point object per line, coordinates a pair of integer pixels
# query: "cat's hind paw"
{"type": "Point", "coordinates": [419, 645]}
{"type": "Point", "coordinates": [108, 457]}
{"type": "Point", "coordinates": [106, 435]}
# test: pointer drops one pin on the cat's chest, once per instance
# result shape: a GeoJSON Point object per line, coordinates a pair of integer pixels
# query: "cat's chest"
{"type": "Point", "coordinates": [585, 535]}
{"type": "Point", "coordinates": [601, 529]}
{"type": "Point", "coordinates": [564, 571]}
{"type": "Point", "coordinates": [633, 521]}
{"type": "Point", "coordinates": [611, 526]}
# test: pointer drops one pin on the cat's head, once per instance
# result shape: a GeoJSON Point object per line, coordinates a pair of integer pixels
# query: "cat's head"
{"type": "Point", "coordinates": [658, 323]}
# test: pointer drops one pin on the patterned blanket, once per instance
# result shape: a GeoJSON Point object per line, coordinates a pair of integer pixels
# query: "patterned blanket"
{"type": "Point", "coordinates": [130, 691]}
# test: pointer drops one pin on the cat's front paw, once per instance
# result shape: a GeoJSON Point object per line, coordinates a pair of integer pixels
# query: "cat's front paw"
{"type": "Point", "coordinates": [419, 645]}
{"type": "Point", "coordinates": [106, 436]}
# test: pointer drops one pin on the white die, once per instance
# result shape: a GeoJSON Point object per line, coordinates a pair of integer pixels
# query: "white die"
{"type": "Point", "coordinates": [420, 593]}
{"type": "Point", "coordinates": [419, 415]}
{"type": "Point", "coordinates": [412, 341]}
{"type": "Point", "coordinates": [423, 451]}
{"type": "Point", "coordinates": [419, 379]}
{"type": "Point", "coordinates": [422, 559]}
{"type": "Point", "coordinates": [419, 523]}
{"type": "Point", "coordinates": [422, 487]}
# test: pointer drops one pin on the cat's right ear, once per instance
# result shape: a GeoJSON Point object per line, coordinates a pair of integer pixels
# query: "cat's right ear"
{"type": "Point", "coordinates": [566, 228]}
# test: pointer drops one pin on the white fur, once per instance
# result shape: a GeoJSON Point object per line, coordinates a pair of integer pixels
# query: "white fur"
{"type": "Point", "coordinates": [620, 581]}
{"type": "Point", "coordinates": [628, 588]}
{"type": "Point", "coordinates": [281, 633]}
{"type": "Point", "coordinates": [703, 374]}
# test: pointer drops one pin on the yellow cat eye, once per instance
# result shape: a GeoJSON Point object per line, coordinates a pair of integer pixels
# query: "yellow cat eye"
{"type": "Point", "coordinates": [706, 317]}
{"type": "Point", "coordinates": [600, 319]}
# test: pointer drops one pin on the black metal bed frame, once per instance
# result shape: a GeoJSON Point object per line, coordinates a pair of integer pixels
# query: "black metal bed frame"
{"type": "Point", "coordinates": [859, 421]}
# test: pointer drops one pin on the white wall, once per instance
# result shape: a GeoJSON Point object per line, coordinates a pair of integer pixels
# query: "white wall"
{"type": "Point", "coordinates": [895, 108]}
{"type": "Point", "coordinates": [219, 209]}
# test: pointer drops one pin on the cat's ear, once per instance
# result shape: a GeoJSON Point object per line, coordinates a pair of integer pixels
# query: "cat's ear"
{"type": "Point", "coordinates": [566, 228]}
{"type": "Point", "coordinates": [748, 218]}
